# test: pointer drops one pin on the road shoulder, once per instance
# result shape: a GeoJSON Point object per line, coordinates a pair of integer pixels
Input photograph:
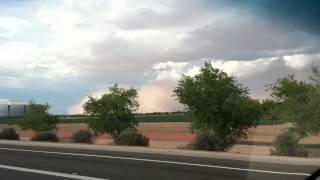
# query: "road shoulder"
{"type": "Point", "coordinates": [176, 152]}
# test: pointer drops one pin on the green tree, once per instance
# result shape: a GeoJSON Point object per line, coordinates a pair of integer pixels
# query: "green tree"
{"type": "Point", "coordinates": [112, 113]}
{"type": "Point", "coordinates": [298, 103]}
{"type": "Point", "coordinates": [218, 104]}
{"type": "Point", "coordinates": [315, 77]}
{"type": "Point", "coordinates": [38, 118]}
{"type": "Point", "coordinates": [269, 110]}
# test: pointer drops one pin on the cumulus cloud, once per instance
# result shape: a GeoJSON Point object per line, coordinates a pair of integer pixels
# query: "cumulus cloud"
{"type": "Point", "coordinates": [157, 95]}
{"type": "Point", "coordinates": [245, 38]}
{"type": "Point", "coordinates": [50, 47]}
{"type": "Point", "coordinates": [299, 61]}
{"type": "Point", "coordinates": [70, 41]}
{"type": "Point", "coordinates": [78, 108]}
{"type": "Point", "coordinates": [254, 74]}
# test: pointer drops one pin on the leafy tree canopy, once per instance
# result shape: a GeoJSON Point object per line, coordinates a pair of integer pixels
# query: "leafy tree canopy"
{"type": "Point", "coordinates": [269, 110]}
{"type": "Point", "coordinates": [112, 113]}
{"type": "Point", "coordinates": [299, 102]}
{"type": "Point", "coordinates": [38, 118]}
{"type": "Point", "coordinates": [218, 103]}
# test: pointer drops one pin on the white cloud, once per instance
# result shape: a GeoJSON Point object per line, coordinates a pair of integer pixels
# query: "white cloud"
{"type": "Point", "coordinates": [50, 45]}
{"type": "Point", "coordinates": [12, 26]}
{"type": "Point", "coordinates": [255, 73]}
{"type": "Point", "coordinates": [158, 97]}
{"type": "Point", "coordinates": [155, 96]}
{"type": "Point", "coordinates": [94, 42]}
{"type": "Point", "coordinates": [300, 60]}
{"type": "Point", "coordinates": [169, 70]}
{"type": "Point", "coordinates": [243, 68]}
{"type": "Point", "coordinates": [174, 70]}
{"type": "Point", "coordinates": [78, 108]}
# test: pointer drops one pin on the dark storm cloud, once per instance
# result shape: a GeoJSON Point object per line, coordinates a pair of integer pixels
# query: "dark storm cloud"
{"type": "Point", "coordinates": [245, 39]}
{"type": "Point", "coordinates": [177, 15]}
{"type": "Point", "coordinates": [119, 60]}
{"type": "Point", "coordinates": [296, 14]}
{"type": "Point", "coordinates": [276, 69]}
{"type": "Point", "coordinates": [60, 51]}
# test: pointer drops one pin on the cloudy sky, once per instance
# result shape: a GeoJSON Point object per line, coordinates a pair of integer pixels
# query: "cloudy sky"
{"type": "Point", "coordinates": [60, 51]}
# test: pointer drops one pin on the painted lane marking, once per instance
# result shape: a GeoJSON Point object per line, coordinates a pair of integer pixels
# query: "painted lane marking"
{"type": "Point", "coordinates": [50, 173]}
{"type": "Point", "coordinates": [158, 161]}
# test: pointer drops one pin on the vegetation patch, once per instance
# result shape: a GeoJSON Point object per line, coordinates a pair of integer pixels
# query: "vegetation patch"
{"type": "Point", "coordinates": [132, 137]}
{"type": "Point", "coordinates": [82, 136]}
{"type": "Point", "coordinates": [45, 136]}
{"type": "Point", "coordinates": [287, 144]}
{"type": "Point", "coordinates": [9, 133]}
{"type": "Point", "coordinates": [211, 141]}
{"type": "Point", "coordinates": [217, 104]}
{"type": "Point", "coordinates": [38, 118]}
{"type": "Point", "coordinates": [113, 112]}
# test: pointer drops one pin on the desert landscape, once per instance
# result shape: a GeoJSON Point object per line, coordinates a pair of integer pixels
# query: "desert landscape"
{"type": "Point", "coordinates": [177, 135]}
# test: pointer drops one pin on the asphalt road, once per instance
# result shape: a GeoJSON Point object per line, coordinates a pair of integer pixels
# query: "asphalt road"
{"type": "Point", "coordinates": [43, 163]}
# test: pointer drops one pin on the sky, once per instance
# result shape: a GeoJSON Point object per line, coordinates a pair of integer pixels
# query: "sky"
{"type": "Point", "coordinates": [61, 51]}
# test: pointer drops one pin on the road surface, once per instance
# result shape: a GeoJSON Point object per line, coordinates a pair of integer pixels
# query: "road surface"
{"type": "Point", "coordinates": [48, 163]}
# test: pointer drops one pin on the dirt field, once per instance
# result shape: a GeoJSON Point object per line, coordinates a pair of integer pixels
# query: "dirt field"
{"type": "Point", "coordinates": [177, 135]}
{"type": "Point", "coordinates": [176, 131]}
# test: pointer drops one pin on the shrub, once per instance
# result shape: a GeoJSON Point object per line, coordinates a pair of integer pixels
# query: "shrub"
{"type": "Point", "coordinates": [287, 144]}
{"type": "Point", "coordinates": [9, 133]}
{"type": "Point", "coordinates": [212, 142]}
{"type": "Point", "coordinates": [38, 118]}
{"type": "Point", "coordinates": [132, 137]}
{"type": "Point", "coordinates": [82, 136]}
{"type": "Point", "coordinates": [45, 136]}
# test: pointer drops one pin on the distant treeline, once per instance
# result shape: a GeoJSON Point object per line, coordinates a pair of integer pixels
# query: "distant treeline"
{"type": "Point", "coordinates": [141, 117]}
{"type": "Point", "coordinates": [152, 113]}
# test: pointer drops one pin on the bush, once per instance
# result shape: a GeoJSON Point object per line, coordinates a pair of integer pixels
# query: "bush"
{"type": "Point", "coordinates": [212, 142]}
{"type": "Point", "coordinates": [287, 144]}
{"type": "Point", "coordinates": [132, 137]}
{"type": "Point", "coordinates": [82, 136]}
{"type": "Point", "coordinates": [9, 133]}
{"type": "Point", "coordinates": [38, 118]}
{"type": "Point", "coordinates": [45, 136]}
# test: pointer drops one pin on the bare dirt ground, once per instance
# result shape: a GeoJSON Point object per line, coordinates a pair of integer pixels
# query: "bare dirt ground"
{"type": "Point", "coordinates": [176, 131]}
{"type": "Point", "coordinates": [177, 135]}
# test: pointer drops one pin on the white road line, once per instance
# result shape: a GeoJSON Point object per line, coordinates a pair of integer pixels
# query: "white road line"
{"type": "Point", "coordinates": [50, 173]}
{"type": "Point", "coordinates": [159, 161]}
